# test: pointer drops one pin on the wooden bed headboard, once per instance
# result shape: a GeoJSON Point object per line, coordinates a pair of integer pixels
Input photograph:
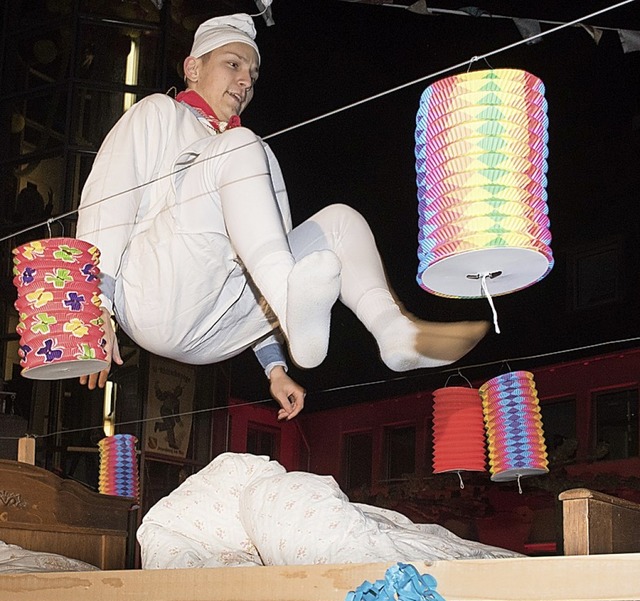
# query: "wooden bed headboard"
{"type": "Point", "coordinates": [40, 511]}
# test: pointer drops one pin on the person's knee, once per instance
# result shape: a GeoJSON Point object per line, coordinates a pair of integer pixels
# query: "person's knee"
{"type": "Point", "coordinates": [235, 155]}
{"type": "Point", "coordinates": [240, 137]}
{"type": "Point", "coordinates": [342, 214]}
{"type": "Point", "coordinates": [232, 143]}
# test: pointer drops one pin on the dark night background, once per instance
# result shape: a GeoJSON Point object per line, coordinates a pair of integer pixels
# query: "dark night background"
{"type": "Point", "coordinates": [322, 55]}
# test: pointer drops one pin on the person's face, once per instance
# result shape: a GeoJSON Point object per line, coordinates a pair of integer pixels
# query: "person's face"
{"type": "Point", "coordinates": [224, 78]}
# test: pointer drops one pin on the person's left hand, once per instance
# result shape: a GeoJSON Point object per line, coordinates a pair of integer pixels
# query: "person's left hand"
{"type": "Point", "coordinates": [289, 394]}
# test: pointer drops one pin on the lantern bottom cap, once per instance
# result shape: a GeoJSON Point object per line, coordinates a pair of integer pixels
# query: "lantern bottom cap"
{"type": "Point", "coordinates": [460, 275]}
{"type": "Point", "coordinates": [454, 470]}
{"type": "Point", "coordinates": [514, 474]}
{"type": "Point", "coordinates": [65, 369]}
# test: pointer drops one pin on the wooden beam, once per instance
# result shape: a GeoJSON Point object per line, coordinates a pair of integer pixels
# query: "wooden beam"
{"type": "Point", "coordinates": [579, 578]}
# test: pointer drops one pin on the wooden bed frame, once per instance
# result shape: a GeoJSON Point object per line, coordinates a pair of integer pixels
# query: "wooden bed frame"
{"type": "Point", "coordinates": [577, 578]}
{"type": "Point", "coordinates": [40, 511]}
{"type": "Point", "coordinates": [593, 522]}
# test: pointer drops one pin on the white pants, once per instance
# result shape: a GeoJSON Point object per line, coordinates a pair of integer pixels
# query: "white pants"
{"type": "Point", "coordinates": [183, 293]}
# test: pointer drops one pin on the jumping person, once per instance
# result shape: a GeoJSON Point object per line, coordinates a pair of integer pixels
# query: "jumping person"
{"type": "Point", "coordinates": [199, 259]}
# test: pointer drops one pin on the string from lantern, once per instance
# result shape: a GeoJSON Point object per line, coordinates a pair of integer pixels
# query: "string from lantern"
{"type": "Point", "coordinates": [486, 292]}
{"type": "Point", "coordinates": [346, 107]}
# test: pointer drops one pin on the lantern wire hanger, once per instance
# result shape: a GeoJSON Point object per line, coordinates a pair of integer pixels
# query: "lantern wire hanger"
{"type": "Point", "coordinates": [266, 4]}
{"type": "Point", "coordinates": [52, 220]}
{"type": "Point", "coordinates": [458, 373]}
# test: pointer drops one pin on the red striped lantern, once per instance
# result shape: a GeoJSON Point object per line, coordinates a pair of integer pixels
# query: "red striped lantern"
{"type": "Point", "coordinates": [458, 430]}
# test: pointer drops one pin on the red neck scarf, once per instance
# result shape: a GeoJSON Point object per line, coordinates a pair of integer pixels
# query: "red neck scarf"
{"type": "Point", "coordinates": [202, 109]}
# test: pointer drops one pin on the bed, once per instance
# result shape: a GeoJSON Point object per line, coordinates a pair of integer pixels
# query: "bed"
{"type": "Point", "coordinates": [584, 578]}
{"type": "Point", "coordinates": [59, 523]}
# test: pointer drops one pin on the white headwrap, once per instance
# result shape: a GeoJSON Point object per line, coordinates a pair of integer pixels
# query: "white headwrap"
{"type": "Point", "coordinates": [219, 31]}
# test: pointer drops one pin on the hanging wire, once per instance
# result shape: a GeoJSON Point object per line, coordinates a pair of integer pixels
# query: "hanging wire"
{"type": "Point", "coordinates": [266, 4]}
{"type": "Point", "coordinates": [347, 107]}
{"type": "Point", "coordinates": [340, 388]}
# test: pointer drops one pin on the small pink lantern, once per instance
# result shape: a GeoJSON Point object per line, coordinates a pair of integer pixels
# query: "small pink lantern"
{"type": "Point", "coordinates": [60, 319]}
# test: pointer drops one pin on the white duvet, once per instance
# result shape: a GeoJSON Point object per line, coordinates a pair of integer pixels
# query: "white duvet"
{"type": "Point", "coordinates": [244, 510]}
{"type": "Point", "coordinates": [17, 560]}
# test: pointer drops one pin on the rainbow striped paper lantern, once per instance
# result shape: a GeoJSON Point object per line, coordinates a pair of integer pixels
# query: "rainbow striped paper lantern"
{"type": "Point", "coordinates": [119, 466]}
{"type": "Point", "coordinates": [58, 304]}
{"type": "Point", "coordinates": [458, 430]}
{"type": "Point", "coordinates": [481, 163]}
{"type": "Point", "coordinates": [515, 438]}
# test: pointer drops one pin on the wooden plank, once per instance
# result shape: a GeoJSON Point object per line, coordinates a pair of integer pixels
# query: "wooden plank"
{"type": "Point", "coordinates": [578, 578]}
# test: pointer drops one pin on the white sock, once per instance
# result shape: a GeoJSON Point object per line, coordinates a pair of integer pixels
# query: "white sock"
{"type": "Point", "coordinates": [312, 290]}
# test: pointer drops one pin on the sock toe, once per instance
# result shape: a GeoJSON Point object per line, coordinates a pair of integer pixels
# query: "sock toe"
{"type": "Point", "coordinates": [406, 345]}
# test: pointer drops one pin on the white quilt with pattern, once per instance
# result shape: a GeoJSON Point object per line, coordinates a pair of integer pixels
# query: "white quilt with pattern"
{"type": "Point", "coordinates": [245, 510]}
{"type": "Point", "coordinates": [16, 560]}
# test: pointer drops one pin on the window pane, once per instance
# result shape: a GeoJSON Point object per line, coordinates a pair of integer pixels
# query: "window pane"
{"type": "Point", "coordinates": [118, 55]}
{"type": "Point", "coordinates": [37, 124]}
{"type": "Point", "coordinates": [33, 192]}
{"type": "Point", "coordinates": [36, 58]}
{"type": "Point", "coordinates": [616, 425]}
{"type": "Point", "coordinates": [30, 12]}
{"type": "Point", "coordinates": [262, 441]}
{"type": "Point", "coordinates": [596, 280]}
{"type": "Point", "coordinates": [400, 452]}
{"type": "Point", "coordinates": [358, 452]}
{"type": "Point", "coordinates": [559, 427]}
{"type": "Point", "coordinates": [78, 169]}
{"type": "Point", "coordinates": [94, 113]}
{"type": "Point", "coordinates": [135, 10]}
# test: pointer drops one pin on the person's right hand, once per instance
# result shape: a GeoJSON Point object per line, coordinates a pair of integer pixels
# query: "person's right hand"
{"type": "Point", "coordinates": [113, 354]}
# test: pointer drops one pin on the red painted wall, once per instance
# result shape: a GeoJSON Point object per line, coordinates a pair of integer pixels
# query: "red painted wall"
{"type": "Point", "coordinates": [292, 452]}
{"type": "Point", "coordinates": [325, 430]}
